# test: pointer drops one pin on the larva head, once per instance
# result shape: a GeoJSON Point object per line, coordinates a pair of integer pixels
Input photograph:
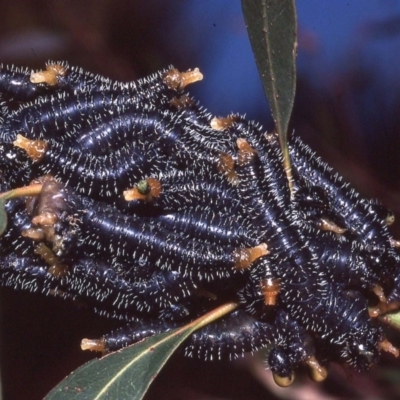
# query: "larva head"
{"type": "Point", "coordinates": [281, 366]}
{"type": "Point", "coordinates": [312, 206]}
{"type": "Point", "coordinates": [361, 349]}
{"type": "Point", "coordinates": [313, 197]}
{"type": "Point", "coordinates": [385, 262]}
{"type": "Point", "coordinates": [382, 213]}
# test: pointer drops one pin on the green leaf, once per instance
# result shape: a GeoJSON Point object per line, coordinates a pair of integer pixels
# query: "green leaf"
{"type": "Point", "coordinates": [392, 319]}
{"type": "Point", "coordinates": [128, 373]}
{"type": "Point", "coordinates": [31, 190]}
{"type": "Point", "coordinates": [272, 28]}
{"type": "Point", "coordinates": [3, 216]}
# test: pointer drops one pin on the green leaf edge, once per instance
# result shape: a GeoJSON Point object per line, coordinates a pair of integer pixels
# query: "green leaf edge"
{"type": "Point", "coordinates": [31, 190]}
{"type": "Point", "coordinates": [273, 38]}
{"type": "Point", "coordinates": [392, 319]}
{"type": "Point", "coordinates": [149, 348]}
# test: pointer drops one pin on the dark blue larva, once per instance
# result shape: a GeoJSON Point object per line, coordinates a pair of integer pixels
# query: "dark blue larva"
{"type": "Point", "coordinates": [140, 243]}
{"type": "Point", "coordinates": [200, 134]}
{"type": "Point", "coordinates": [227, 338]}
{"type": "Point", "coordinates": [267, 214]}
{"type": "Point", "coordinates": [111, 133]}
{"type": "Point", "coordinates": [252, 295]}
{"type": "Point", "coordinates": [338, 319]}
{"type": "Point", "coordinates": [150, 89]}
{"type": "Point", "coordinates": [118, 238]}
{"type": "Point", "coordinates": [230, 338]}
{"type": "Point", "coordinates": [18, 221]}
{"type": "Point", "coordinates": [296, 347]}
{"type": "Point", "coordinates": [75, 80]}
{"type": "Point", "coordinates": [62, 114]}
{"type": "Point", "coordinates": [162, 291]}
{"type": "Point", "coordinates": [291, 262]}
{"type": "Point", "coordinates": [199, 118]}
{"type": "Point", "coordinates": [310, 206]}
{"type": "Point", "coordinates": [295, 266]}
{"type": "Point", "coordinates": [49, 117]}
{"type": "Point", "coordinates": [394, 296]}
{"type": "Point", "coordinates": [29, 273]}
{"type": "Point", "coordinates": [135, 332]}
{"type": "Point", "coordinates": [362, 219]}
{"type": "Point", "coordinates": [345, 261]}
{"type": "Point", "coordinates": [127, 239]}
{"type": "Point", "coordinates": [15, 166]}
{"type": "Point", "coordinates": [15, 85]}
{"type": "Point", "coordinates": [164, 131]}
{"type": "Point", "coordinates": [100, 176]}
{"type": "Point", "coordinates": [270, 159]}
{"type": "Point", "coordinates": [358, 215]}
{"type": "Point", "coordinates": [212, 227]}
{"type": "Point", "coordinates": [352, 337]}
{"type": "Point", "coordinates": [181, 189]}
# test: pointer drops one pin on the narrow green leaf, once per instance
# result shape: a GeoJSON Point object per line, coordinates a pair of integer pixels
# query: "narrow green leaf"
{"type": "Point", "coordinates": [3, 216]}
{"type": "Point", "coordinates": [128, 373]}
{"type": "Point", "coordinates": [272, 28]}
{"type": "Point", "coordinates": [31, 190]}
{"type": "Point", "coordinates": [391, 319]}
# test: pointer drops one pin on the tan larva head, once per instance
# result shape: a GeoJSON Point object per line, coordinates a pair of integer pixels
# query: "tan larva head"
{"type": "Point", "coordinates": [386, 346]}
{"type": "Point", "coordinates": [176, 80]}
{"type": "Point", "coordinates": [270, 288]}
{"type": "Point", "coordinates": [328, 225]}
{"type": "Point", "coordinates": [245, 256]}
{"type": "Point", "coordinates": [246, 152]}
{"type": "Point", "coordinates": [93, 345]}
{"type": "Point", "coordinates": [226, 166]}
{"type": "Point", "coordinates": [317, 372]}
{"type": "Point", "coordinates": [220, 124]}
{"type": "Point", "coordinates": [36, 149]}
{"type": "Point", "coordinates": [181, 102]}
{"type": "Point", "coordinates": [284, 381]}
{"type": "Point", "coordinates": [50, 75]}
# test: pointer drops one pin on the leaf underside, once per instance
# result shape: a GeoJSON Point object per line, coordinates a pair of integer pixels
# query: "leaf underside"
{"type": "Point", "coordinates": [273, 38]}
{"type": "Point", "coordinates": [128, 373]}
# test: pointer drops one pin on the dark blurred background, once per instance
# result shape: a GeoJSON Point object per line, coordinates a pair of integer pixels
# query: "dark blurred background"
{"type": "Point", "coordinates": [347, 108]}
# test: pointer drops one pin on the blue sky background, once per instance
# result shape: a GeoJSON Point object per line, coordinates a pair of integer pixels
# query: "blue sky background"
{"type": "Point", "coordinates": [332, 34]}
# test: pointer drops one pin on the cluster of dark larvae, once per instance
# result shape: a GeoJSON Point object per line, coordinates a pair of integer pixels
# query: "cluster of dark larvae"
{"type": "Point", "coordinates": [152, 211]}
